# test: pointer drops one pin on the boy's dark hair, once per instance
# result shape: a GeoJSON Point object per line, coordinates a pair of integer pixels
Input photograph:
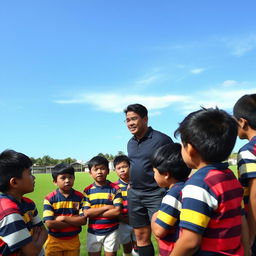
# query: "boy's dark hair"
{"type": "Point", "coordinates": [62, 168]}
{"type": "Point", "coordinates": [98, 160]}
{"type": "Point", "coordinates": [212, 132]}
{"type": "Point", "coordinates": [168, 158]}
{"type": "Point", "coordinates": [12, 165]}
{"type": "Point", "coordinates": [121, 158]}
{"type": "Point", "coordinates": [138, 109]}
{"type": "Point", "coordinates": [245, 108]}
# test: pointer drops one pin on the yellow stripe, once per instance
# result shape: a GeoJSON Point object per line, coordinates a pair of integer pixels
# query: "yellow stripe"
{"type": "Point", "coordinates": [166, 218]}
{"type": "Point", "coordinates": [47, 213]}
{"type": "Point", "coordinates": [194, 217]}
{"type": "Point", "coordinates": [28, 216]}
{"type": "Point", "coordinates": [101, 196]}
{"type": "Point", "coordinates": [124, 193]}
{"type": "Point", "coordinates": [118, 201]}
{"type": "Point", "coordinates": [67, 204]}
{"type": "Point", "coordinates": [247, 168]}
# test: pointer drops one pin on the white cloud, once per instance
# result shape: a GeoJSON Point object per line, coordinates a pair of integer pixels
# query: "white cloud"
{"type": "Point", "coordinates": [117, 102]}
{"type": "Point", "coordinates": [229, 83]}
{"type": "Point", "coordinates": [241, 46]}
{"type": "Point", "coordinates": [197, 71]}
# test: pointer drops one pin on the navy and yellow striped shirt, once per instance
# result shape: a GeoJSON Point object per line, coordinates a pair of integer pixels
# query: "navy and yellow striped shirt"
{"type": "Point", "coordinates": [55, 204]}
{"type": "Point", "coordinates": [123, 186]}
{"type": "Point", "coordinates": [246, 163]}
{"type": "Point", "coordinates": [99, 196]}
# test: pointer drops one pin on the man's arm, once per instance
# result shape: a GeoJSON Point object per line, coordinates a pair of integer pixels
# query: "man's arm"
{"type": "Point", "coordinates": [187, 244]}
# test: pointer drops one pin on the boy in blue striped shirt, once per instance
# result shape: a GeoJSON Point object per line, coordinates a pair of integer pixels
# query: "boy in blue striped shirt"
{"type": "Point", "coordinates": [63, 214]}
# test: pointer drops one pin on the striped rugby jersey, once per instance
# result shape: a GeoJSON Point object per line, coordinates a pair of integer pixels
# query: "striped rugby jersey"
{"type": "Point", "coordinates": [17, 220]}
{"type": "Point", "coordinates": [211, 206]}
{"type": "Point", "coordinates": [168, 218]}
{"type": "Point", "coordinates": [98, 196]}
{"type": "Point", "coordinates": [55, 204]}
{"type": "Point", "coordinates": [246, 163]}
{"type": "Point", "coordinates": [123, 186]}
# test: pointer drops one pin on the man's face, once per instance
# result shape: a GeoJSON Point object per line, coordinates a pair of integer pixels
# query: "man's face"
{"type": "Point", "coordinates": [136, 124]}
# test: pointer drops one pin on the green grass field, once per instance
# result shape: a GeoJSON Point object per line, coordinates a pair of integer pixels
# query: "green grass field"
{"type": "Point", "coordinates": [44, 186]}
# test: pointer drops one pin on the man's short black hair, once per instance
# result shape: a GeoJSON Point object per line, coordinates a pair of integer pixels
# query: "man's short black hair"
{"type": "Point", "coordinates": [168, 158]}
{"type": "Point", "coordinates": [62, 168]}
{"type": "Point", "coordinates": [98, 160]}
{"type": "Point", "coordinates": [121, 158]}
{"type": "Point", "coordinates": [12, 165]}
{"type": "Point", "coordinates": [212, 132]}
{"type": "Point", "coordinates": [245, 108]}
{"type": "Point", "coordinates": [138, 109]}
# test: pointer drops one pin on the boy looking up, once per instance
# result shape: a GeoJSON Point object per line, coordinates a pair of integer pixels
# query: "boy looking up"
{"type": "Point", "coordinates": [245, 113]}
{"type": "Point", "coordinates": [21, 230]}
{"type": "Point", "coordinates": [126, 233]}
{"type": "Point", "coordinates": [61, 214]}
{"type": "Point", "coordinates": [170, 172]}
{"type": "Point", "coordinates": [102, 205]}
{"type": "Point", "coordinates": [211, 214]}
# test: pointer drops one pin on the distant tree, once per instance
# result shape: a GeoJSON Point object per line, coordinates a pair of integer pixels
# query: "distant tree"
{"type": "Point", "coordinates": [120, 153]}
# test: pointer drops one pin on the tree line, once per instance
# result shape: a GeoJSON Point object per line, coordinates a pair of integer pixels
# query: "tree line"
{"type": "Point", "coordinates": [48, 161]}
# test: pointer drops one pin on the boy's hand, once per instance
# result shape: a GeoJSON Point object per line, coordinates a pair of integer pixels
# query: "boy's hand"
{"type": "Point", "coordinates": [60, 218]}
{"type": "Point", "coordinates": [108, 207]}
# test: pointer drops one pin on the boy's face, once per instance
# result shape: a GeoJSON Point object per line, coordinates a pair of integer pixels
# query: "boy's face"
{"type": "Point", "coordinates": [122, 170]}
{"type": "Point", "coordinates": [65, 182]}
{"type": "Point", "coordinates": [26, 183]}
{"type": "Point", "coordinates": [161, 179]}
{"type": "Point", "coordinates": [99, 174]}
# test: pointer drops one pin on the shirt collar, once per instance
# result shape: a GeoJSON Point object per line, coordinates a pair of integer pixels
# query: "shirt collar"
{"type": "Point", "coordinates": [148, 134]}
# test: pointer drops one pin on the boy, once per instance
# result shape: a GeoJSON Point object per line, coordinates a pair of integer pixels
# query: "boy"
{"type": "Point", "coordinates": [245, 113]}
{"type": "Point", "coordinates": [21, 230]}
{"type": "Point", "coordinates": [210, 218]}
{"type": "Point", "coordinates": [61, 214]}
{"type": "Point", "coordinates": [102, 205]}
{"type": "Point", "coordinates": [126, 234]}
{"type": "Point", "coordinates": [170, 172]}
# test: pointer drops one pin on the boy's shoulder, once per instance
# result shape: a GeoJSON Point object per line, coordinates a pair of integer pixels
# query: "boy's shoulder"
{"type": "Point", "coordinates": [249, 146]}
{"type": "Point", "coordinates": [113, 185]}
{"type": "Point", "coordinates": [89, 187]}
{"type": "Point", "coordinates": [7, 206]}
{"type": "Point", "coordinates": [51, 194]}
{"type": "Point", "coordinates": [78, 193]}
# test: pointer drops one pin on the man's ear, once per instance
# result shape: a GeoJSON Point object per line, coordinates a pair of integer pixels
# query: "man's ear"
{"type": "Point", "coordinates": [145, 119]}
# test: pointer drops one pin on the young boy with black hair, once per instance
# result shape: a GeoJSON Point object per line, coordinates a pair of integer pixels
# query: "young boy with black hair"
{"type": "Point", "coordinates": [245, 113]}
{"type": "Point", "coordinates": [170, 172]}
{"type": "Point", "coordinates": [63, 214]}
{"type": "Point", "coordinates": [126, 233]}
{"type": "Point", "coordinates": [102, 205]}
{"type": "Point", "coordinates": [21, 230]}
{"type": "Point", "coordinates": [211, 214]}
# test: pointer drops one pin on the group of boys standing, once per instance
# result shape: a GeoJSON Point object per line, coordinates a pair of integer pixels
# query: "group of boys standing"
{"type": "Point", "coordinates": [200, 215]}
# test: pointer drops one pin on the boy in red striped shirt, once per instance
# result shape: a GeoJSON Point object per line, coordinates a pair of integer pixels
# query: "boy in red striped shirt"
{"type": "Point", "coordinates": [211, 214]}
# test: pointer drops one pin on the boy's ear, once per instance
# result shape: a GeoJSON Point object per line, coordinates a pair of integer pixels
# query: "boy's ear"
{"type": "Point", "coordinates": [243, 123]}
{"type": "Point", "coordinates": [191, 150]}
{"type": "Point", "coordinates": [54, 182]}
{"type": "Point", "coordinates": [13, 182]}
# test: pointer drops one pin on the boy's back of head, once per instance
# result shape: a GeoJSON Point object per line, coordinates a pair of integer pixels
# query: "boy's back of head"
{"type": "Point", "coordinates": [62, 168]}
{"type": "Point", "coordinates": [168, 159]}
{"type": "Point", "coordinates": [98, 160]}
{"type": "Point", "coordinates": [245, 108]}
{"type": "Point", "coordinates": [121, 158]}
{"type": "Point", "coordinates": [12, 164]}
{"type": "Point", "coordinates": [212, 132]}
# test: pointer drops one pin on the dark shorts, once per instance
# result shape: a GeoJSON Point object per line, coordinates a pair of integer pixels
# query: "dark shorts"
{"type": "Point", "coordinates": [142, 205]}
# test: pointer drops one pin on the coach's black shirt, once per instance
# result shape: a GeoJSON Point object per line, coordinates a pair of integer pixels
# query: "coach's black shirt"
{"type": "Point", "coordinates": [140, 153]}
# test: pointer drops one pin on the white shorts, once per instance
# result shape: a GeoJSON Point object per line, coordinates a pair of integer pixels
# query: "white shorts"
{"type": "Point", "coordinates": [109, 242]}
{"type": "Point", "coordinates": [126, 233]}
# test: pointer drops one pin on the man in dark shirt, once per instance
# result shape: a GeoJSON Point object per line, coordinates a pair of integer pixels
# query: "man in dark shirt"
{"type": "Point", "coordinates": [144, 196]}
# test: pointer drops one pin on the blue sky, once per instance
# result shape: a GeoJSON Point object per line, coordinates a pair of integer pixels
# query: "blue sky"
{"type": "Point", "coordinates": [69, 68]}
